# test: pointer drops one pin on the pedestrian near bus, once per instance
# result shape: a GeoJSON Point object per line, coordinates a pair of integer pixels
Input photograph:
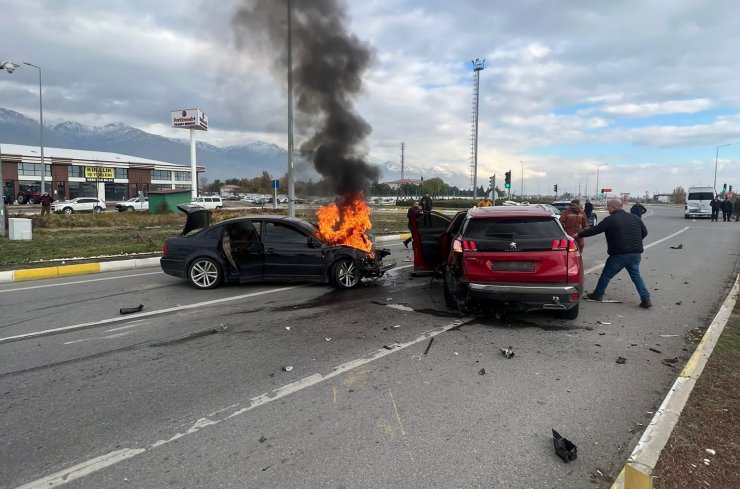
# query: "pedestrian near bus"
{"type": "Point", "coordinates": [624, 234]}
{"type": "Point", "coordinates": [409, 214]}
{"type": "Point", "coordinates": [726, 206]}
{"type": "Point", "coordinates": [574, 220]}
{"type": "Point", "coordinates": [46, 201]}
{"type": "Point", "coordinates": [737, 208]}
{"type": "Point", "coordinates": [715, 204]}
{"type": "Point", "coordinates": [426, 207]}
{"type": "Point", "coordinates": [638, 209]}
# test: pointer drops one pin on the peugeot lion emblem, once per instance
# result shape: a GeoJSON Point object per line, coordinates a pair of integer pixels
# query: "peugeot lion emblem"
{"type": "Point", "coordinates": [512, 246]}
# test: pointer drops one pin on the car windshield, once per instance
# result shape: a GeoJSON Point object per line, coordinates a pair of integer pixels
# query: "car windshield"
{"type": "Point", "coordinates": [700, 196]}
{"type": "Point", "coordinates": [310, 227]}
{"type": "Point", "coordinates": [515, 228]}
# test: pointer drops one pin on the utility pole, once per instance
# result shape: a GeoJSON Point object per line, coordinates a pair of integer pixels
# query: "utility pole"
{"type": "Point", "coordinates": [291, 175]}
{"type": "Point", "coordinates": [478, 66]}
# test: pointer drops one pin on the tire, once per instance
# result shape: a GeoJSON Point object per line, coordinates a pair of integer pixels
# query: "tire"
{"type": "Point", "coordinates": [68, 210]}
{"type": "Point", "coordinates": [97, 209]}
{"type": "Point", "coordinates": [21, 199]}
{"type": "Point", "coordinates": [345, 274]}
{"type": "Point", "coordinates": [205, 273]}
{"type": "Point", "coordinates": [129, 209]}
{"type": "Point", "coordinates": [571, 313]}
{"type": "Point", "coordinates": [449, 294]}
{"type": "Point", "coordinates": [31, 200]}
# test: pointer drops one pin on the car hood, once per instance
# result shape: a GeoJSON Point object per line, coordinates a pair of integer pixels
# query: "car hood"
{"type": "Point", "coordinates": [197, 217]}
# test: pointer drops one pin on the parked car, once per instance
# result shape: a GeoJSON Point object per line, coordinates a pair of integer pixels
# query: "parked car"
{"type": "Point", "coordinates": [554, 210]}
{"type": "Point", "coordinates": [208, 201]}
{"type": "Point", "coordinates": [133, 204]}
{"type": "Point", "coordinates": [561, 205]}
{"type": "Point", "coordinates": [80, 204]}
{"type": "Point", "coordinates": [232, 197]}
{"type": "Point", "coordinates": [516, 257]}
{"type": "Point", "coordinates": [263, 248]}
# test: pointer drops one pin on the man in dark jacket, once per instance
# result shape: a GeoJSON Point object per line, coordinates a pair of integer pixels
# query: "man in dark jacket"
{"type": "Point", "coordinates": [409, 214]}
{"type": "Point", "coordinates": [46, 202]}
{"type": "Point", "coordinates": [624, 234]}
{"type": "Point", "coordinates": [638, 209]}
{"type": "Point", "coordinates": [426, 207]}
{"type": "Point", "coordinates": [715, 204]}
{"type": "Point", "coordinates": [726, 207]}
{"type": "Point", "coordinates": [737, 208]}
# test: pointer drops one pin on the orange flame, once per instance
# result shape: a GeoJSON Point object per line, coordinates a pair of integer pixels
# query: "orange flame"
{"type": "Point", "coordinates": [345, 223]}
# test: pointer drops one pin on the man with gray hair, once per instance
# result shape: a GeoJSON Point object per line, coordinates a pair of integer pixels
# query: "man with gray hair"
{"type": "Point", "coordinates": [624, 234]}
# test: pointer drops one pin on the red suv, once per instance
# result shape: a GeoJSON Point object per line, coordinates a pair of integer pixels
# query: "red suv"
{"type": "Point", "coordinates": [518, 257]}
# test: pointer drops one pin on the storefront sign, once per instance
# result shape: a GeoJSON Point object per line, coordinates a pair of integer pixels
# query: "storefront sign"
{"type": "Point", "coordinates": [189, 119]}
{"type": "Point", "coordinates": [99, 174]}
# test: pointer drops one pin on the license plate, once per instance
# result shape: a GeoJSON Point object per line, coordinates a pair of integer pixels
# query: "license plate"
{"type": "Point", "coordinates": [513, 266]}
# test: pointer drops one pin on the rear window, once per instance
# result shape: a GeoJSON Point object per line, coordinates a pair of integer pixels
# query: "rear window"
{"type": "Point", "coordinates": [498, 234]}
{"type": "Point", "coordinates": [700, 196]}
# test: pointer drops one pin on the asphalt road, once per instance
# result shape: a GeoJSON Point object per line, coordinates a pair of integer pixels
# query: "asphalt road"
{"type": "Point", "coordinates": [193, 391]}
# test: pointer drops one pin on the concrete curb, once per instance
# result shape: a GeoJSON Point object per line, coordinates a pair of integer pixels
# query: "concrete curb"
{"type": "Point", "coordinates": [109, 266]}
{"type": "Point", "coordinates": [637, 472]}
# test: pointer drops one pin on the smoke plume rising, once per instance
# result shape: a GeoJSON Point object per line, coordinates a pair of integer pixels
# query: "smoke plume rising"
{"type": "Point", "coordinates": [328, 64]}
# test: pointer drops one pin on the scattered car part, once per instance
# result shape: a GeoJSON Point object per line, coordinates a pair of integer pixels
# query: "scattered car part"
{"type": "Point", "coordinates": [564, 448]}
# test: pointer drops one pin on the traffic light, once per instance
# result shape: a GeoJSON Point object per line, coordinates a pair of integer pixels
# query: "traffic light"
{"type": "Point", "coordinates": [492, 182]}
{"type": "Point", "coordinates": [507, 183]}
{"type": "Point", "coordinates": [724, 188]}
{"type": "Point", "coordinates": [555, 188]}
{"type": "Point", "coordinates": [730, 188]}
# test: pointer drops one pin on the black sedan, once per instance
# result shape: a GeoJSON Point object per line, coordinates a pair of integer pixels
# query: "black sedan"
{"type": "Point", "coordinates": [260, 248]}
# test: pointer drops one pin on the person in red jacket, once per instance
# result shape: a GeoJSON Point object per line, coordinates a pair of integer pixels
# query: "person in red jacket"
{"type": "Point", "coordinates": [46, 201]}
{"type": "Point", "coordinates": [574, 221]}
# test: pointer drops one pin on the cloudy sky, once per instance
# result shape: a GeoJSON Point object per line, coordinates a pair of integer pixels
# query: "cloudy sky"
{"type": "Point", "coordinates": [648, 88]}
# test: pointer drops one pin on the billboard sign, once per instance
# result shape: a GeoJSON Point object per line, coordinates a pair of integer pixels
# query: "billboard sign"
{"type": "Point", "coordinates": [189, 119]}
{"type": "Point", "coordinates": [99, 174]}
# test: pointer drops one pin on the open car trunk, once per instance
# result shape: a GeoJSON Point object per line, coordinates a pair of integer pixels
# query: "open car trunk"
{"type": "Point", "coordinates": [197, 218]}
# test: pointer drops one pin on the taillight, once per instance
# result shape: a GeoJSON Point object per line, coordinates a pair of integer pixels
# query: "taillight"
{"type": "Point", "coordinates": [572, 245]}
{"type": "Point", "coordinates": [460, 245]}
{"type": "Point", "coordinates": [564, 244]}
{"type": "Point", "coordinates": [164, 249]}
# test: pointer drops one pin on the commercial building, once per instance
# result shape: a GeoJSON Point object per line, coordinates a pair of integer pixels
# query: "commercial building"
{"type": "Point", "coordinates": [74, 173]}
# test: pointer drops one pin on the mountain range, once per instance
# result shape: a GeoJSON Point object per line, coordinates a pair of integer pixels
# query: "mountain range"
{"type": "Point", "coordinates": [239, 161]}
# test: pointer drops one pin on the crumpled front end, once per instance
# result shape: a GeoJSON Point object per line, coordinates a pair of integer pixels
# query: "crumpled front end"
{"type": "Point", "coordinates": [371, 264]}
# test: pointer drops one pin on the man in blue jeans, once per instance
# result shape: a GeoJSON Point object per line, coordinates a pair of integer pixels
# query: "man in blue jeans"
{"type": "Point", "coordinates": [624, 234]}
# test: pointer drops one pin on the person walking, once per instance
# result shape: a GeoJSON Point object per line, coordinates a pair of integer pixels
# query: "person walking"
{"type": "Point", "coordinates": [638, 209]}
{"type": "Point", "coordinates": [726, 207]}
{"type": "Point", "coordinates": [409, 214]}
{"type": "Point", "coordinates": [574, 220]}
{"type": "Point", "coordinates": [624, 234]}
{"type": "Point", "coordinates": [737, 208]}
{"type": "Point", "coordinates": [715, 205]}
{"type": "Point", "coordinates": [46, 201]}
{"type": "Point", "coordinates": [426, 207]}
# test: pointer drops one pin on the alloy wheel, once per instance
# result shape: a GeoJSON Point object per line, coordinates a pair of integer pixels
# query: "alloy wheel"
{"type": "Point", "coordinates": [204, 273]}
{"type": "Point", "coordinates": [346, 274]}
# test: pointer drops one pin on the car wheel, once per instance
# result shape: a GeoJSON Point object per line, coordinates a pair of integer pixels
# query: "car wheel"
{"type": "Point", "coordinates": [97, 209]}
{"type": "Point", "coordinates": [129, 209]}
{"type": "Point", "coordinates": [204, 273]}
{"type": "Point", "coordinates": [21, 199]}
{"type": "Point", "coordinates": [571, 313]}
{"type": "Point", "coordinates": [68, 210]}
{"type": "Point", "coordinates": [31, 200]}
{"type": "Point", "coordinates": [345, 274]}
{"type": "Point", "coordinates": [449, 294]}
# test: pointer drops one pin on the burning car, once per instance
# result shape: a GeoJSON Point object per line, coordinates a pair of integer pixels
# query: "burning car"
{"type": "Point", "coordinates": [266, 248]}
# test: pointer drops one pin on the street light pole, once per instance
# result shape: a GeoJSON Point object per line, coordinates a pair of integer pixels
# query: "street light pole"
{"type": "Point", "coordinates": [41, 129]}
{"type": "Point", "coordinates": [716, 158]}
{"type": "Point", "coordinates": [291, 175]}
{"type": "Point", "coordinates": [10, 68]}
{"type": "Point", "coordinates": [598, 191]}
{"type": "Point", "coordinates": [522, 185]}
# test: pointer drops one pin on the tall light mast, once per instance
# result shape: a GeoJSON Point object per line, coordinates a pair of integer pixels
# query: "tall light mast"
{"type": "Point", "coordinates": [478, 66]}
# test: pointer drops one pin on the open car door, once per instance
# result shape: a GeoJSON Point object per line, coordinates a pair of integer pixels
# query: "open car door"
{"type": "Point", "coordinates": [430, 237]}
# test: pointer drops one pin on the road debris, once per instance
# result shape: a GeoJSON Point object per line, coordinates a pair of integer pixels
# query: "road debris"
{"type": "Point", "coordinates": [507, 352]}
{"type": "Point", "coordinates": [605, 323]}
{"type": "Point", "coordinates": [482, 371]}
{"type": "Point", "coordinates": [328, 338]}
{"type": "Point", "coordinates": [397, 326]}
{"type": "Point", "coordinates": [429, 345]}
{"type": "Point", "coordinates": [287, 328]}
{"type": "Point", "coordinates": [710, 451]}
{"type": "Point", "coordinates": [263, 439]}
{"type": "Point", "coordinates": [387, 347]}
{"type": "Point", "coordinates": [621, 360]}
{"type": "Point", "coordinates": [288, 368]}
{"type": "Point", "coordinates": [679, 303]}
{"type": "Point", "coordinates": [706, 461]}
{"type": "Point", "coordinates": [655, 350]}
{"type": "Point", "coordinates": [669, 361]}
{"type": "Point", "coordinates": [668, 335]}
{"type": "Point", "coordinates": [677, 247]}
{"type": "Point", "coordinates": [131, 310]}
{"type": "Point", "coordinates": [564, 448]}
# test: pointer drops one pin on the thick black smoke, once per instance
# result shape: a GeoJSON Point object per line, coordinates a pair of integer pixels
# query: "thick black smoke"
{"type": "Point", "coordinates": [328, 63]}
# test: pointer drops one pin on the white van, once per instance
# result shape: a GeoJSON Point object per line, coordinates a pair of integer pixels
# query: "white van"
{"type": "Point", "coordinates": [697, 202]}
{"type": "Point", "coordinates": [208, 201]}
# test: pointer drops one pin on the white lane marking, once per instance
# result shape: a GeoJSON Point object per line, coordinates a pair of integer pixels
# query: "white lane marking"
{"type": "Point", "coordinates": [601, 265]}
{"type": "Point", "coordinates": [143, 314]}
{"type": "Point", "coordinates": [117, 335]}
{"type": "Point", "coordinates": [134, 324]}
{"type": "Point", "coordinates": [103, 461]}
{"type": "Point", "coordinates": [400, 307]}
{"type": "Point", "coordinates": [80, 282]}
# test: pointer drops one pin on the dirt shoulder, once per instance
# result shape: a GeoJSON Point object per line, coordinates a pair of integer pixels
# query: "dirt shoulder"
{"type": "Point", "coordinates": [710, 422]}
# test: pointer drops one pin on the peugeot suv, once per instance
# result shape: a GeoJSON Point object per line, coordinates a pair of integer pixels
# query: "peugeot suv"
{"type": "Point", "coordinates": [501, 257]}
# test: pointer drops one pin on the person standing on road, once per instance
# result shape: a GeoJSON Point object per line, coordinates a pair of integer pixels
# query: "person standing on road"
{"type": "Point", "coordinates": [638, 209]}
{"type": "Point", "coordinates": [715, 205]}
{"type": "Point", "coordinates": [588, 208]}
{"type": "Point", "coordinates": [46, 201]}
{"type": "Point", "coordinates": [574, 220]}
{"type": "Point", "coordinates": [726, 207]}
{"type": "Point", "coordinates": [737, 208]}
{"type": "Point", "coordinates": [426, 207]}
{"type": "Point", "coordinates": [409, 214]}
{"type": "Point", "coordinates": [624, 234]}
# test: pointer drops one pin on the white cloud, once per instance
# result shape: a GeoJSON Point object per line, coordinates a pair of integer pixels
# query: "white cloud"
{"type": "Point", "coordinates": [658, 108]}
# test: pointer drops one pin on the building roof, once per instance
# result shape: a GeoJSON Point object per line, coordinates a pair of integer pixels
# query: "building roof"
{"type": "Point", "coordinates": [403, 181]}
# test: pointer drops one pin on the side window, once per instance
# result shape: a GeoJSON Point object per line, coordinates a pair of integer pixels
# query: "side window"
{"type": "Point", "coordinates": [214, 233]}
{"type": "Point", "coordinates": [279, 233]}
{"type": "Point", "coordinates": [435, 222]}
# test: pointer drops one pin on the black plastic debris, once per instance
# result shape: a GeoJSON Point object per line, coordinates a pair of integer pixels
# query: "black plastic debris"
{"type": "Point", "coordinates": [679, 303]}
{"type": "Point", "coordinates": [564, 448]}
{"type": "Point", "coordinates": [621, 360]}
{"type": "Point", "coordinates": [429, 345]}
{"type": "Point", "coordinates": [669, 362]}
{"type": "Point", "coordinates": [482, 371]}
{"type": "Point", "coordinates": [507, 352]}
{"type": "Point", "coordinates": [677, 247]}
{"type": "Point", "coordinates": [131, 310]}
{"type": "Point", "coordinates": [263, 439]}
{"type": "Point", "coordinates": [655, 350]}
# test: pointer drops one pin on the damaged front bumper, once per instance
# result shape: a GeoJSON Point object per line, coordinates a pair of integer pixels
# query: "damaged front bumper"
{"type": "Point", "coordinates": [374, 267]}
